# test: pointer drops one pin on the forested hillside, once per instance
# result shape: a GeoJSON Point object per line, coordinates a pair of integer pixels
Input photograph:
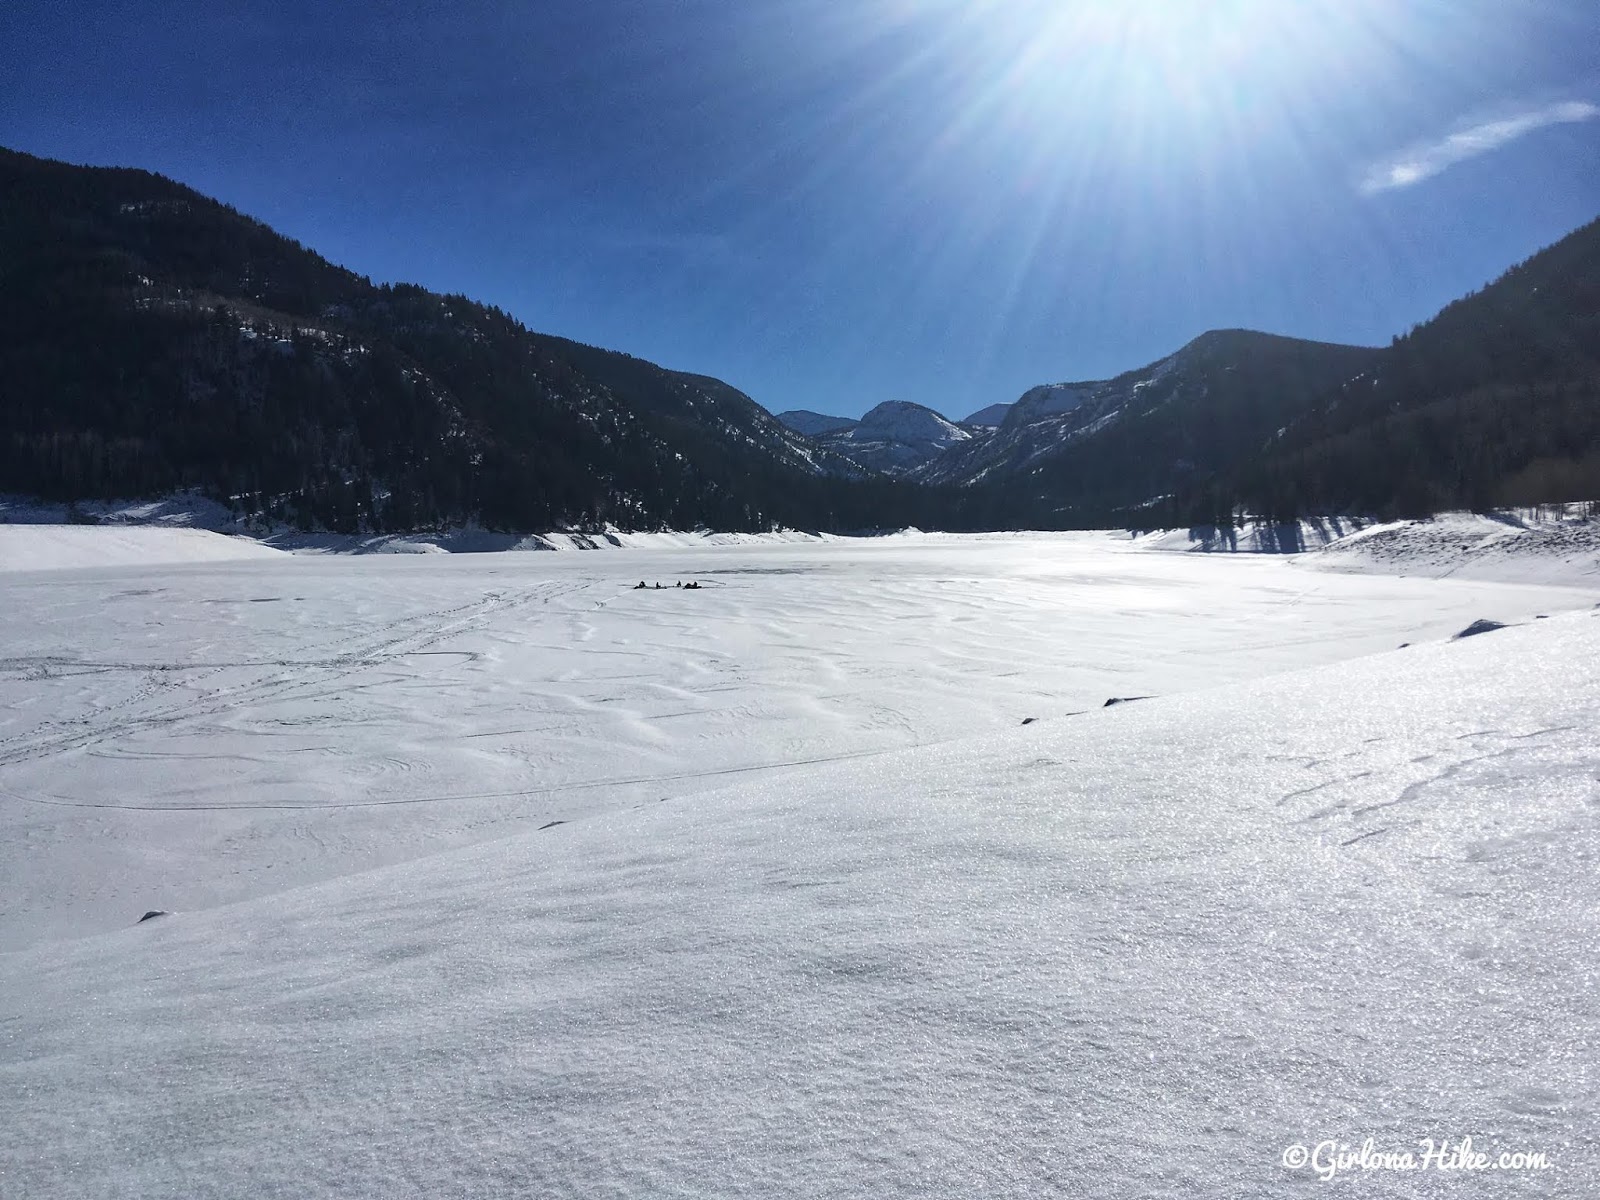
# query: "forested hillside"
{"type": "Point", "coordinates": [1494, 401]}
{"type": "Point", "coordinates": [1086, 452]}
{"type": "Point", "coordinates": [154, 340]}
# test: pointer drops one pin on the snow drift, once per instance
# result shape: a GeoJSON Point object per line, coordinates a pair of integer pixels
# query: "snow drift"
{"type": "Point", "coordinates": [56, 547]}
{"type": "Point", "coordinates": [1135, 952]}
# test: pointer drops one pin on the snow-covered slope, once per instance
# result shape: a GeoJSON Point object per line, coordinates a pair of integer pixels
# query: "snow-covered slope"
{"type": "Point", "coordinates": [54, 547]}
{"type": "Point", "coordinates": [901, 421]}
{"type": "Point", "coordinates": [1141, 951]}
{"type": "Point", "coordinates": [1293, 537]}
{"type": "Point", "coordinates": [180, 510]}
{"type": "Point", "coordinates": [897, 437]}
{"type": "Point", "coordinates": [1553, 544]}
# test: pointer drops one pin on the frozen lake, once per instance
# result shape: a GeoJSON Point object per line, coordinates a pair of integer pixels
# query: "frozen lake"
{"type": "Point", "coordinates": [764, 888]}
{"type": "Point", "coordinates": [178, 736]}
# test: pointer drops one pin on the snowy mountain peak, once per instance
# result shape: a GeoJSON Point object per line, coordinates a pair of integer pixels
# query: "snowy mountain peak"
{"type": "Point", "coordinates": [902, 421]}
{"type": "Point", "coordinates": [895, 437]}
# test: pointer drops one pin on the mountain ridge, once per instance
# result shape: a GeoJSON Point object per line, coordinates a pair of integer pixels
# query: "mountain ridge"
{"type": "Point", "coordinates": [1095, 446]}
{"type": "Point", "coordinates": [813, 424]}
{"type": "Point", "coordinates": [1494, 400]}
{"type": "Point", "coordinates": [153, 340]}
{"type": "Point", "coordinates": [896, 437]}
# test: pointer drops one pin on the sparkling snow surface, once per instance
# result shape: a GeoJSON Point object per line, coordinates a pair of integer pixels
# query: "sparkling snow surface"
{"type": "Point", "coordinates": [823, 918]}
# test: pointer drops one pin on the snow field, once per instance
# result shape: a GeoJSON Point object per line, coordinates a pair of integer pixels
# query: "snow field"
{"type": "Point", "coordinates": [60, 547]}
{"type": "Point", "coordinates": [1134, 953]}
{"type": "Point", "coordinates": [492, 876]}
{"type": "Point", "coordinates": [181, 737]}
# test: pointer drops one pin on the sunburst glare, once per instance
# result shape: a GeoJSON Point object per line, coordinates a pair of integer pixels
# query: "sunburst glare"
{"type": "Point", "coordinates": [1023, 115]}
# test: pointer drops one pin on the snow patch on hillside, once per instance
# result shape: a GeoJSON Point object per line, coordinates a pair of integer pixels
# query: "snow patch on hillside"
{"type": "Point", "coordinates": [182, 510]}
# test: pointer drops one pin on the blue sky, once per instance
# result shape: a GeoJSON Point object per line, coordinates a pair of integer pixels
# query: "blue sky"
{"type": "Point", "coordinates": [834, 204]}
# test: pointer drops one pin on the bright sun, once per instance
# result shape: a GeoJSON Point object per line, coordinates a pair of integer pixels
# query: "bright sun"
{"type": "Point", "coordinates": [1145, 53]}
{"type": "Point", "coordinates": [1124, 80]}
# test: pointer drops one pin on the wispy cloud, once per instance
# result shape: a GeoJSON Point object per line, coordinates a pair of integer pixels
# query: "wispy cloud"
{"type": "Point", "coordinates": [1427, 160]}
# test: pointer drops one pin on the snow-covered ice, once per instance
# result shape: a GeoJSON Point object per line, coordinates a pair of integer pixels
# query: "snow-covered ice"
{"type": "Point", "coordinates": [61, 547]}
{"type": "Point", "coordinates": [764, 889]}
{"type": "Point", "coordinates": [186, 736]}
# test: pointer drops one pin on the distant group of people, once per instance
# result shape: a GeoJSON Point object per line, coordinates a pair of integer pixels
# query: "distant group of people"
{"type": "Point", "coordinates": [691, 586]}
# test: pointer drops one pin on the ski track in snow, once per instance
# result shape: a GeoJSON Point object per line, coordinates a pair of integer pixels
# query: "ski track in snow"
{"type": "Point", "coordinates": [764, 889]}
